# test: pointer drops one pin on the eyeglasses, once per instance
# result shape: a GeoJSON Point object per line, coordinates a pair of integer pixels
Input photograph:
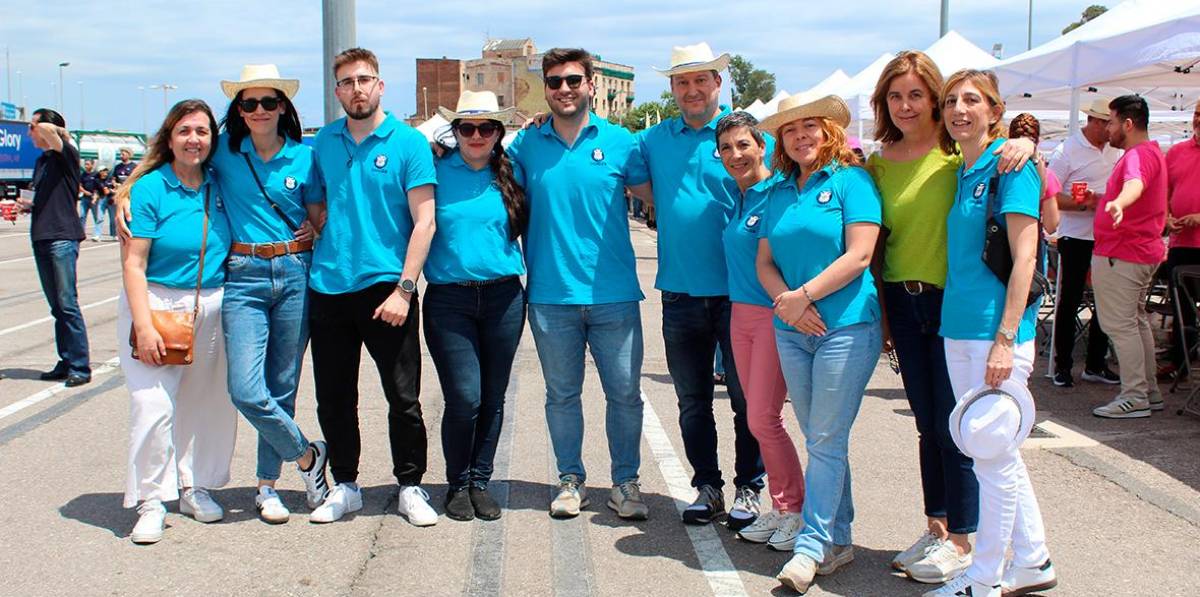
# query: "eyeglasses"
{"type": "Point", "coordinates": [268, 103]}
{"type": "Point", "coordinates": [486, 130]}
{"type": "Point", "coordinates": [555, 81]}
{"type": "Point", "coordinates": [361, 80]}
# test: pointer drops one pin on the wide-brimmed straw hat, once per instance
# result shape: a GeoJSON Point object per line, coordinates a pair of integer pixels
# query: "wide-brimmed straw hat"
{"type": "Point", "coordinates": [1099, 108]}
{"type": "Point", "coordinates": [477, 104]}
{"type": "Point", "coordinates": [696, 58]}
{"type": "Point", "coordinates": [989, 422]}
{"type": "Point", "coordinates": [803, 105]}
{"type": "Point", "coordinates": [261, 75]}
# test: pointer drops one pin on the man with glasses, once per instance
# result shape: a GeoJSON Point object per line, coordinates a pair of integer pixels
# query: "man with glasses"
{"type": "Point", "coordinates": [377, 223]}
{"type": "Point", "coordinates": [694, 198]}
{"type": "Point", "coordinates": [583, 284]}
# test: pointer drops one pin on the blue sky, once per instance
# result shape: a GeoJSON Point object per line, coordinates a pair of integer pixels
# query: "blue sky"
{"type": "Point", "coordinates": [115, 47]}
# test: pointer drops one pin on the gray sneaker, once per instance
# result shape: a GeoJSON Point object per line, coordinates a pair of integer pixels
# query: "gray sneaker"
{"type": "Point", "coordinates": [745, 508]}
{"type": "Point", "coordinates": [571, 498]}
{"type": "Point", "coordinates": [709, 504]}
{"type": "Point", "coordinates": [1124, 408]}
{"type": "Point", "coordinates": [626, 500]}
{"type": "Point", "coordinates": [835, 557]}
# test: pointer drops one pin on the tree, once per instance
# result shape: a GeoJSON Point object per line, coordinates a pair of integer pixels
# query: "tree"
{"type": "Point", "coordinates": [1089, 13]}
{"type": "Point", "coordinates": [750, 83]}
{"type": "Point", "coordinates": [663, 108]}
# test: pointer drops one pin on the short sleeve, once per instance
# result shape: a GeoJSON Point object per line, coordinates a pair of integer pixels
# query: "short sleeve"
{"type": "Point", "coordinates": [514, 152]}
{"type": "Point", "coordinates": [860, 199]}
{"type": "Point", "coordinates": [1140, 166]}
{"type": "Point", "coordinates": [768, 205]}
{"type": "Point", "coordinates": [143, 205]}
{"type": "Point", "coordinates": [1059, 164]}
{"type": "Point", "coordinates": [635, 169]}
{"type": "Point", "coordinates": [1020, 193]}
{"type": "Point", "coordinates": [314, 187]}
{"type": "Point", "coordinates": [418, 162]}
{"type": "Point", "coordinates": [1052, 186]}
{"type": "Point", "coordinates": [642, 141]}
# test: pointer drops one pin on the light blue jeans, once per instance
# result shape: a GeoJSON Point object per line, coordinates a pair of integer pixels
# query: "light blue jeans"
{"type": "Point", "coordinates": [265, 316]}
{"type": "Point", "coordinates": [826, 376]}
{"type": "Point", "coordinates": [614, 334]}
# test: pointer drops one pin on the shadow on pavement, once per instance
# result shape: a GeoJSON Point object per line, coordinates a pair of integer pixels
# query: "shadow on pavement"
{"type": "Point", "coordinates": [19, 373]}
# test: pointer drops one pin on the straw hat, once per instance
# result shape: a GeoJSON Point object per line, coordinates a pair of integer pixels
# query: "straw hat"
{"type": "Point", "coordinates": [990, 422]}
{"type": "Point", "coordinates": [803, 105]}
{"type": "Point", "coordinates": [261, 75]}
{"type": "Point", "coordinates": [477, 104]}
{"type": "Point", "coordinates": [691, 59]}
{"type": "Point", "coordinates": [1099, 108]}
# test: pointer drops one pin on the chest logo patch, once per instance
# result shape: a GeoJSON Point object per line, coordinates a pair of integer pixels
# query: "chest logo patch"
{"type": "Point", "coordinates": [380, 161]}
{"type": "Point", "coordinates": [824, 196]}
{"type": "Point", "coordinates": [597, 154]}
{"type": "Point", "coordinates": [717, 153]}
{"type": "Point", "coordinates": [979, 189]}
{"type": "Point", "coordinates": [289, 183]}
{"type": "Point", "coordinates": [752, 222]}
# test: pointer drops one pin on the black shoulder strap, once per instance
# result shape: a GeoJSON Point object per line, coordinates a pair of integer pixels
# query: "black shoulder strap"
{"type": "Point", "coordinates": [993, 190]}
{"type": "Point", "coordinates": [263, 190]}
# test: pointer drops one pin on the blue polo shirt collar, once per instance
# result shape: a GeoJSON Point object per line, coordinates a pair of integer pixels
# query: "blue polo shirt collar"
{"type": "Point", "coordinates": [986, 160]}
{"type": "Point", "coordinates": [383, 131]}
{"type": "Point", "coordinates": [817, 177]}
{"type": "Point", "coordinates": [456, 160]}
{"type": "Point", "coordinates": [591, 128]}
{"type": "Point", "coordinates": [678, 126]}
{"type": "Point", "coordinates": [288, 150]}
{"type": "Point", "coordinates": [169, 177]}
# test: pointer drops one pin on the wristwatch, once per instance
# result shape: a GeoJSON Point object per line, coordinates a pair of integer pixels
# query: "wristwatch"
{"type": "Point", "coordinates": [407, 285]}
{"type": "Point", "coordinates": [1006, 333]}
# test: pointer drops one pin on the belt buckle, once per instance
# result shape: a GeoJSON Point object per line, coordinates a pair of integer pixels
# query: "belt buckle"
{"type": "Point", "coordinates": [908, 287]}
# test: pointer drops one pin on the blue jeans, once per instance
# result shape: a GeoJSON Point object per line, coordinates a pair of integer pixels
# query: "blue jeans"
{"type": "Point", "coordinates": [693, 327]}
{"type": "Point", "coordinates": [614, 334]}
{"type": "Point", "coordinates": [265, 317]}
{"type": "Point", "coordinates": [947, 476]}
{"type": "Point", "coordinates": [87, 206]}
{"type": "Point", "coordinates": [110, 211]}
{"type": "Point", "coordinates": [472, 334]}
{"type": "Point", "coordinates": [55, 261]}
{"type": "Point", "coordinates": [826, 376]}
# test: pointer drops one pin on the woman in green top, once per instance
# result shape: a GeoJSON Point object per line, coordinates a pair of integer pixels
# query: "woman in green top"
{"type": "Point", "coordinates": [916, 173]}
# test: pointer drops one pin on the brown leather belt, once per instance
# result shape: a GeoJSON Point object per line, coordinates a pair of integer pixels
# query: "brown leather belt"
{"type": "Point", "coordinates": [271, 250]}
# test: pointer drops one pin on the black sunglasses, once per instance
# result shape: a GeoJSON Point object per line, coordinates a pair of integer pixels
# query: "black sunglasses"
{"type": "Point", "coordinates": [268, 103]}
{"type": "Point", "coordinates": [486, 130]}
{"type": "Point", "coordinates": [555, 81]}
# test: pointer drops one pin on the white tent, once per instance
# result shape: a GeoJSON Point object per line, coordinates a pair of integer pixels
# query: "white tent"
{"type": "Point", "coordinates": [430, 127]}
{"type": "Point", "coordinates": [1144, 46]}
{"type": "Point", "coordinates": [953, 52]}
{"type": "Point", "coordinates": [753, 108]}
{"type": "Point", "coordinates": [769, 108]}
{"type": "Point", "coordinates": [857, 91]}
{"type": "Point", "coordinates": [830, 85]}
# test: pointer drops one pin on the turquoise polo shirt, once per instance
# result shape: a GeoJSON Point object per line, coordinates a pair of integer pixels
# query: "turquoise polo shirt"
{"type": "Point", "coordinates": [740, 242]}
{"type": "Point", "coordinates": [694, 198]}
{"type": "Point", "coordinates": [973, 302]}
{"type": "Point", "coordinates": [290, 178]}
{"type": "Point", "coordinates": [472, 239]}
{"type": "Point", "coordinates": [366, 196]}
{"type": "Point", "coordinates": [806, 232]}
{"type": "Point", "coordinates": [577, 247]}
{"type": "Point", "coordinates": [172, 217]}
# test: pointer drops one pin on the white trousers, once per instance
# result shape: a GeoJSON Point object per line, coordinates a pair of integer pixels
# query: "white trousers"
{"type": "Point", "coordinates": [182, 424]}
{"type": "Point", "coordinates": [1008, 509]}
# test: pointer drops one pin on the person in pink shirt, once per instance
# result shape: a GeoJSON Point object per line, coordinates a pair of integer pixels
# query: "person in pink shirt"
{"type": "Point", "coordinates": [1129, 227]}
{"type": "Point", "coordinates": [1183, 222]}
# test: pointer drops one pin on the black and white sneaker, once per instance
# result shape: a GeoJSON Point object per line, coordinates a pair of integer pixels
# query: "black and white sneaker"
{"type": "Point", "coordinates": [1104, 375]}
{"type": "Point", "coordinates": [709, 504]}
{"type": "Point", "coordinates": [1062, 378]}
{"type": "Point", "coordinates": [745, 508]}
{"type": "Point", "coordinates": [315, 484]}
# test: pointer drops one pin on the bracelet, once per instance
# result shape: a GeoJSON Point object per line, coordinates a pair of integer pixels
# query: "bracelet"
{"type": "Point", "coordinates": [808, 296]}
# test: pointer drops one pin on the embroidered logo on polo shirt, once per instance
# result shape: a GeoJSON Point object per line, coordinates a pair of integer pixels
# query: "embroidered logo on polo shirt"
{"type": "Point", "coordinates": [752, 222]}
{"type": "Point", "coordinates": [289, 183]}
{"type": "Point", "coordinates": [597, 154]}
{"type": "Point", "coordinates": [717, 153]}
{"type": "Point", "coordinates": [824, 196]}
{"type": "Point", "coordinates": [380, 161]}
{"type": "Point", "coordinates": [979, 189]}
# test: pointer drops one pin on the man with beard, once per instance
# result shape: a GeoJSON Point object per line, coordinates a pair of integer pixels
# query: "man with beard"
{"type": "Point", "coordinates": [583, 285]}
{"type": "Point", "coordinates": [694, 198]}
{"type": "Point", "coordinates": [376, 225]}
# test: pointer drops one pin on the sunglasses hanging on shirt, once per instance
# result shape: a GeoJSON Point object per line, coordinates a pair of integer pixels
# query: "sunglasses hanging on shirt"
{"type": "Point", "coordinates": [555, 81]}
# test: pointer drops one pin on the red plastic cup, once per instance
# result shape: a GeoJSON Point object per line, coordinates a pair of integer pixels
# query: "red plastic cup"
{"type": "Point", "coordinates": [1079, 192]}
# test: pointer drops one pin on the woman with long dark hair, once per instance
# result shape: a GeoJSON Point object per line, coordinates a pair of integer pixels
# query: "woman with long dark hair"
{"type": "Point", "coordinates": [182, 426]}
{"type": "Point", "coordinates": [475, 304]}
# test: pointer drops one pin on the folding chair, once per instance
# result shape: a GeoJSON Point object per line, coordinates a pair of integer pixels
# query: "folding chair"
{"type": "Point", "coordinates": [1184, 294]}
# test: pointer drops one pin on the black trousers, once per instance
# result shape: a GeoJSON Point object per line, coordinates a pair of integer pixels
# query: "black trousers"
{"type": "Point", "coordinates": [340, 324]}
{"type": "Point", "coordinates": [1177, 256]}
{"type": "Point", "coordinates": [1075, 259]}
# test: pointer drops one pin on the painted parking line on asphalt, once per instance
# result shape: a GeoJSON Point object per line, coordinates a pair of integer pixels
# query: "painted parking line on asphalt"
{"type": "Point", "coordinates": [30, 324]}
{"type": "Point", "coordinates": [486, 576]}
{"type": "Point", "coordinates": [30, 257]}
{"type": "Point", "coordinates": [718, 569]}
{"type": "Point", "coordinates": [108, 367]}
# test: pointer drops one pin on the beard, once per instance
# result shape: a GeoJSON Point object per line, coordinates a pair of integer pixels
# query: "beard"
{"type": "Point", "coordinates": [365, 113]}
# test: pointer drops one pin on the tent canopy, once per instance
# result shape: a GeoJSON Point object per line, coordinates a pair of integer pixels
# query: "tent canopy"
{"type": "Point", "coordinates": [953, 53]}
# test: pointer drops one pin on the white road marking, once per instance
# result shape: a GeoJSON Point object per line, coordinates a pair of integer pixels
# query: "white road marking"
{"type": "Point", "coordinates": [108, 367]}
{"type": "Point", "coordinates": [103, 245]}
{"type": "Point", "coordinates": [30, 324]}
{"type": "Point", "coordinates": [718, 569]}
{"type": "Point", "coordinates": [15, 235]}
{"type": "Point", "coordinates": [1064, 437]}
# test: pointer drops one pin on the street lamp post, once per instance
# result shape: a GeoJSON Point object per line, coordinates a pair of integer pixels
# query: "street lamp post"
{"type": "Point", "coordinates": [143, 90]}
{"type": "Point", "coordinates": [1029, 40]}
{"type": "Point", "coordinates": [166, 88]}
{"type": "Point", "coordinates": [425, 93]}
{"type": "Point", "coordinates": [61, 66]}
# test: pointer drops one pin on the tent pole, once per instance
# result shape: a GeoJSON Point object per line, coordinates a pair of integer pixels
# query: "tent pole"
{"type": "Point", "coordinates": [1073, 116]}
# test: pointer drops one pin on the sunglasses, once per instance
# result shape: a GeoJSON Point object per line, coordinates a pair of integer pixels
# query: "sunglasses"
{"type": "Point", "coordinates": [486, 130]}
{"type": "Point", "coordinates": [268, 103]}
{"type": "Point", "coordinates": [555, 81]}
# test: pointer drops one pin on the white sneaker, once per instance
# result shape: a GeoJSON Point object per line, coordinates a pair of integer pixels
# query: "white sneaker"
{"type": "Point", "coordinates": [345, 498]}
{"type": "Point", "coordinates": [152, 516]}
{"type": "Point", "coordinates": [940, 564]}
{"type": "Point", "coordinates": [915, 552]}
{"type": "Point", "coordinates": [1124, 408]}
{"type": "Point", "coordinates": [760, 530]}
{"type": "Point", "coordinates": [200, 505]}
{"type": "Point", "coordinates": [835, 557]}
{"type": "Point", "coordinates": [798, 573]}
{"type": "Point", "coordinates": [571, 498]}
{"type": "Point", "coordinates": [270, 507]}
{"type": "Point", "coordinates": [784, 537]}
{"type": "Point", "coordinates": [315, 484]}
{"type": "Point", "coordinates": [963, 586]}
{"type": "Point", "coordinates": [414, 505]}
{"type": "Point", "coordinates": [1023, 581]}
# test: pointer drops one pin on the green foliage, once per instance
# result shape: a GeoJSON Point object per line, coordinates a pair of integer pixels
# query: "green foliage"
{"type": "Point", "coordinates": [750, 83]}
{"type": "Point", "coordinates": [1089, 13]}
{"type": "Point", "coordinates": [664, 108]}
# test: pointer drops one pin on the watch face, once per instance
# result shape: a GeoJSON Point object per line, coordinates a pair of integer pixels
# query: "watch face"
{"type": "Point", "coordinates": [408, 285]}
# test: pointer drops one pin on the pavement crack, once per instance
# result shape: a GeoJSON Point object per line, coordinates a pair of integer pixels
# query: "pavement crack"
{"type": "Point", "coordinates": [372, 548]}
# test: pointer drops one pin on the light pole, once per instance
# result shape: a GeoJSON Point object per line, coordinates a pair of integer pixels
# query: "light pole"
{"type": "Point", "coordinates": [143, 90]}
{"type": "Point", "coordinates": [21, 94]}
{"type": "Point", "coordinates": [945, 20]}
{"type": "Point", "coordinates": [61, 66]}
{"type": "Point", "coordinates": [166, 88]}
{"type": "Point", "coordinates": [425, 93]}
{"type": "Point", "coordinates": [1029, 40]}
{"type": "Point", "coordinates": [81, 105]}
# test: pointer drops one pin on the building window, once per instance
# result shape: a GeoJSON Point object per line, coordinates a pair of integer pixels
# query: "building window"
{"type": "Point", "coordinates": [500, 99]}
{"type": "Point", "coordinates": [479, 78]}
